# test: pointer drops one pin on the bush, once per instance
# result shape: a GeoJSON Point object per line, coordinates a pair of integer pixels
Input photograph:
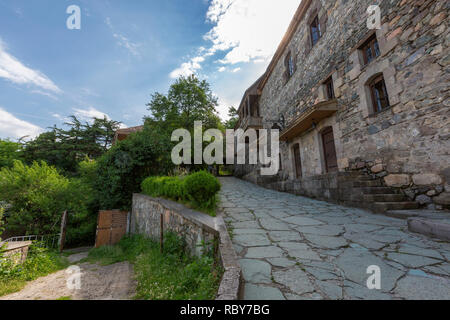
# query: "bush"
{"type": "Point", "coordinates": [202, 187]}
{"type": "Point", "coordinates": [199, 189]}
{"type": "Point", "coordinates": [168, 187]}
{"type": "Point", "coordinates": [122, 169]}
{"type": "Point", "coordinates": [38, 195]}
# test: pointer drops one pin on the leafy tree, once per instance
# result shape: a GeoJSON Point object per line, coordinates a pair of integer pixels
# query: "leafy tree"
{"type": "Point", "coordinates": [121, 170]}
{"type": "Point", "coordinates": [9, 151]}
{"type": "Point", "coordinates": [187, 101]}
{"type": "Point", "coordinates": [234, 118]}
{"type": "Point", "coordinates": [64, 149]}
{"type": "Point", "coordinates": [38, 195]}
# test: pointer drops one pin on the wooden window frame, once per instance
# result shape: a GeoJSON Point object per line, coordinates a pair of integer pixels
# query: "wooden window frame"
{"type": "Point", "coordinates": [329, 88]}
{"type": "Point", "coordinates": [316, 22]}
{"type": "Point", "coordinates": [374, 47]}
{"type": "Point", "coordinates": [375, 101]}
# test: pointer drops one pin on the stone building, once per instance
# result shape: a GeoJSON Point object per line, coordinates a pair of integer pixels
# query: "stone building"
{"type": "Point", "coordinates": [364, 114]}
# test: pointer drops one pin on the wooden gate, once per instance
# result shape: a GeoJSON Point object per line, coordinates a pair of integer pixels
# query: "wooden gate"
{"type": "Point", "coordinates": [329, 150]}
{"type": "Point", "coordinates": [111, 227]}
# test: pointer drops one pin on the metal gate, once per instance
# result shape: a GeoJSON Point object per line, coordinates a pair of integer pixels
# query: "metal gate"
{"type": "Point", "coordinates": [111, 227]}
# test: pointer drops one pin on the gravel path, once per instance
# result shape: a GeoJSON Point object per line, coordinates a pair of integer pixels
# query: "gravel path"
{"type": "Point", "coordinates": [113, 282]}
{"type": "Point", "coordinates": [297, 248]}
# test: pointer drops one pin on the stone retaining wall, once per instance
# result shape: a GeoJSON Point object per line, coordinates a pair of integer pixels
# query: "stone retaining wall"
{"type": "Point", "coordinates": [198, 229]}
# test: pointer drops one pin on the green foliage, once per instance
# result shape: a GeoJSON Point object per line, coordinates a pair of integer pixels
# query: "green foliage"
{"type": "Point", "coordinates": [201, 188]}
{"type": "Point", "coordinates": [2, 228]}
{"type": "Point", "coordinates": [122, 169]}
{"type": "Point", "coordinates": [172, 275]}
{"type": "Point", "coordinates": [64, 149]}
{"type": "Point", "coordinates": [40, 262]}
{"type": "Point", "coordinates": [234, 118]}
{"type": "Point", "coordinates": [198, 189]}
{"type": "Point", "coordinates": [9, 151]}
{"type": "Point", "coordinates": [187, 101]}
{"type": "Point", "coordinates": [38, 195]}
{"type": "Point", "coordinates": [168, 187]}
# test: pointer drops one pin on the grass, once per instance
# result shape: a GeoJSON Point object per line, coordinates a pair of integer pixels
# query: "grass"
{"type": "Point", "coordinates": [40, 262]}
{"type": "Point", "coordinates": [172, 275]}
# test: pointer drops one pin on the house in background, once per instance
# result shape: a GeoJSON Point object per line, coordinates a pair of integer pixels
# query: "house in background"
{"type": "Point", "coordinates": [364, 114]}
{"type": "Point", "coordinates": [122, 134]}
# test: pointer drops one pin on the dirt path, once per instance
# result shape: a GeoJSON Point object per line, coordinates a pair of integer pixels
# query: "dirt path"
{"type": "Point", "coordinates": [113, 282]}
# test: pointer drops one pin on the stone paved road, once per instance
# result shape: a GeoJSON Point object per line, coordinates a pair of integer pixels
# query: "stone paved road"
{"type": "Point", "coordinates": [297, 248]}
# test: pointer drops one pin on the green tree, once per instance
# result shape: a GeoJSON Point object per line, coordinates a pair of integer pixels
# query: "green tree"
{"type": "Point", "coordinates": [65, 148]}
{"type": "Point", "coordinates": [187, 101]}
{"type": "Point", "coordinates": [234, 118]}
{"type": "Point", "coordinates": [121, 170]}
{"type": "Point", "coordinates": [9, 151]}
{"type": "Point", "coordinates": [38, 195]}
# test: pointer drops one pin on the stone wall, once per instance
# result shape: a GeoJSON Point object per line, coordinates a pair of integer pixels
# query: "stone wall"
{"type": "Point", "coordinates": [408, 144]}
{"type": "Point", "coordinates": [196, 228]}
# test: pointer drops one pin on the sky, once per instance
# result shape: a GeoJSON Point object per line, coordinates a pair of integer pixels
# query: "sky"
{"type": "Point", "coordinates": [124, 51]}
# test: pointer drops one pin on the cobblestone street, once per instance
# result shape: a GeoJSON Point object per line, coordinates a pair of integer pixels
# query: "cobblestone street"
{"type": "Point", "coordinates": [297, 248]}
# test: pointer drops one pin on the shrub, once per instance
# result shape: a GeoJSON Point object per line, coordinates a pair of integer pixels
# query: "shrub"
{"type": "Point", "coordinates": [122, 169]}
{"type": "Point", "coordinates": [202, 187]}
{"type": "Point", "coordinates": [168, 187]}
{"type": "Point", "coordinates": [2, 211]}
{"type": "Point", "coordinates": [38, 195]}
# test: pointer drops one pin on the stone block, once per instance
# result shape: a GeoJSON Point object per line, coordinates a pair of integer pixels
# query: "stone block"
{"type": "Point", "coordinates": [426, 179]}
{"type": "Point", "coordinates": [397, 180]}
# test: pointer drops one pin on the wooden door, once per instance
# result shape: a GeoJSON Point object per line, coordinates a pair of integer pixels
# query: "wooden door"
{"type": "Point", "coordinates": [298, 161]}
{"type": "Point", "coordinates": [111, 227]}
{"type": "Point", "coordinates": [329, 150]}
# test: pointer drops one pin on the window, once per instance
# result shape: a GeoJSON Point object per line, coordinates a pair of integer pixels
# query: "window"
{"type": "Point", "coordinates": [329, 88]}
{"type": "Point", "coordinates": [316, 33]}
{"type": "Point", "coordinates": [370, 49]}
{"type": "Point", "coordinates": [380, 98]}
{"type": "Point", "coordinates": [290, 66]}
{"type": "Point", "coordinates": [297, 161]}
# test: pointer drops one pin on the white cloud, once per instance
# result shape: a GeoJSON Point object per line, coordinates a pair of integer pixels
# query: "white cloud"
{"type": "Point", "coordinates": [251, 29]}
{"type": "Point", "coordinates": [236, 70]}
{"type": "Point", "coordinates": [221, 69]}
{"type": "Point", "coordinates": [124, 41]}
{"type": "Point", "coordinates": [89, 114]}
{"type": "Point", "coordinates": [188, 68]}
{"type": "Point", "coordinates": [12, 127]}
{"type": "Point", "coordinates": [15, 71]}
{"type": "Point", "coordinates": [43, 93]}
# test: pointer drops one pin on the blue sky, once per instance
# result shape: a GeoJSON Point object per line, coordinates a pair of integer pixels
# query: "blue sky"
{"type": "Point", "coordinates": [124, 52]}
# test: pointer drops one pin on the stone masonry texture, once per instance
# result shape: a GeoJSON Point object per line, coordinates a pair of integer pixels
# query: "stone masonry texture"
{"type": "Point", "coordinates": [296, 248]}
{"type": "Point", "coordinates": [407, 144]}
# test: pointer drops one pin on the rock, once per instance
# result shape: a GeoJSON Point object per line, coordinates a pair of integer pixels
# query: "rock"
{"type": "Point", "coordinates": [377, 168]}
{"type": "Point", "coordinates": [264, 252]}
{"type": "Point", "coordinates": [426, 179]}
{"type": "Point", "coordinates": [397, 180]}
{"type": "Point", "coordinates": [431, 193]}
{"type": "Point", "coordinates": [295, 279]}
{"type": "Point", "coordinates": [443, 199]}
{"type": "Point", "coordinates": [423, 199]}
{"type": "Point", "coordinates": [256, 271]}
{"type": "Point", "coordinates": [438, 19]}
{"type": "Point", "coordinates": [253, 292]}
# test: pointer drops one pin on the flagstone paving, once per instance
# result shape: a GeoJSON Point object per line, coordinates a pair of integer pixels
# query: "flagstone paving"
{"type": "Point", "coordinates": [297, 248]}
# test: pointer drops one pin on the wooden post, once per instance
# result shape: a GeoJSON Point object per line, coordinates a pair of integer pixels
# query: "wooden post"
{"type": "Point", "coordinates": [162, 234]}
{"type": "Point", "coordinates": [62, 236]}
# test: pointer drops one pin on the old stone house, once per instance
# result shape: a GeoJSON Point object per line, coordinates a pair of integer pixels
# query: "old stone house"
{"type": "Point", "coordinates": [364, 114]}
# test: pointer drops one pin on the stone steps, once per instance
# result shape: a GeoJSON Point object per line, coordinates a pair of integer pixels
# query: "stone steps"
{"type": "Point", "coordinates": [367, 183]}
{"type": "Point", "coordinates": [384, 197]}
{"type": "Point", "coordinates": [381, 207]}
{"type": "Point", "coordinates": [376, 190]}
